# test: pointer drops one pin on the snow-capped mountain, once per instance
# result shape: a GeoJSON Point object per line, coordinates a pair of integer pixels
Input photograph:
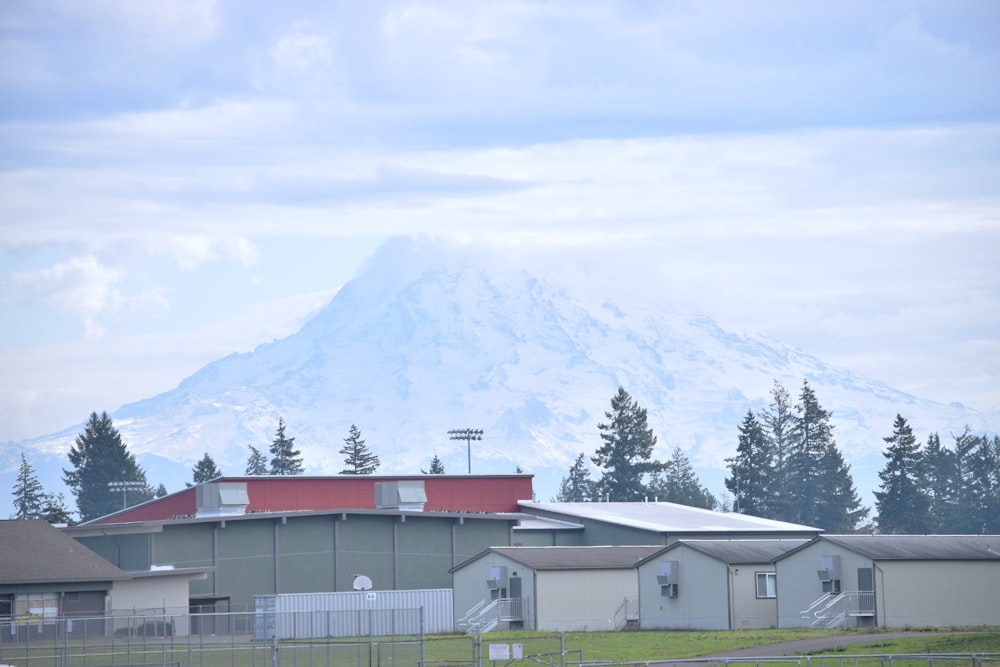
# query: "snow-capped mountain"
{"type": "Point", "coordinates": [424, 341]}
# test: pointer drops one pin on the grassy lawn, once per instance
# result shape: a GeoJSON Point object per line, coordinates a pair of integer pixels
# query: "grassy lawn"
{"type": "Point", "coordinates": [588, 646]}
{"type": "Point", "coordinates": [646, 645]}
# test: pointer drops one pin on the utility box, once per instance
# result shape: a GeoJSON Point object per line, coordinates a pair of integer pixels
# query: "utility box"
{"type": "Point", "coordinates": [497, 577]}
{"type": "Point", "coordinates": [667, 577]}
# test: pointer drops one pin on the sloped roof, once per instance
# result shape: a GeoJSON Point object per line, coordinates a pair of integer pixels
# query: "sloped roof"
{"type": "Point", "coordinates": [921, 547]}
{"type": "Point", "coordinates": [667, 518]}
{"type": "Point", "coordinates": [36, 552]}
{"type": "Point", "coordinates": [577, 558]}
{"type": "Point", "coordinates": [738, 552]}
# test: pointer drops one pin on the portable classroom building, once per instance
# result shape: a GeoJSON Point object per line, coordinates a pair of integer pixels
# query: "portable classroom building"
{"type": "Point", "coordinates": [891, 581]}
{"type": "Point", "coordinates": [554, 589]}
{"type": "Point", "coordinates": [711, 585]}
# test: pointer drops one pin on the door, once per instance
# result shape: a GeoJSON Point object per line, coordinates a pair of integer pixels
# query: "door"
{"type": "Point", "coordinates": [866, 590]}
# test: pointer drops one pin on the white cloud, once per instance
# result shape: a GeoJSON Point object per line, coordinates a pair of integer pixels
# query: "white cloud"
{"type": "Point", "coordinates": [190, 252]}
{"type": "Point", "coordinates": [80, 286]}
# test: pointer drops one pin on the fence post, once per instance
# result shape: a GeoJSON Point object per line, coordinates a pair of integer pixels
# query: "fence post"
{"type": "Point", "coordinates": [274, 650]}
{"type": "Point", "coordinates": [423, 656]}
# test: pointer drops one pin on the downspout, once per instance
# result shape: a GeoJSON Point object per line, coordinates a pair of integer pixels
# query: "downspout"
{"type": "Point", "coordinates": [731, 595]}
{"type": "Point", "coordinates": [877, 591]}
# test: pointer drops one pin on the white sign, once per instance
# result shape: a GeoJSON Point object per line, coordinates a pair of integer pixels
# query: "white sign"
{"type": "Point", "coordinates": [518, 651]}
{"type": "Point", "coordinates": [499, 652]}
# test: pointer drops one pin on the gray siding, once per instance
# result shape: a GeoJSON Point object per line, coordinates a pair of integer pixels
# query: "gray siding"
{"type": "Point", "coordinates": [702, 601]}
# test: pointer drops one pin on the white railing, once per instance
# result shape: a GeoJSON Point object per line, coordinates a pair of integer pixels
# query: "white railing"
{"type": "Point", "coordinates": [489, 614]}
{"type": "Point", "coordinates": [626, 613]}
{"type": "Point", "coordinates": [831, 609]}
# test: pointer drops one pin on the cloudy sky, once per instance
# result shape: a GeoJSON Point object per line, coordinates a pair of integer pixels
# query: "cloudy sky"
{"type": "Point", "coordinates": [183, 179]}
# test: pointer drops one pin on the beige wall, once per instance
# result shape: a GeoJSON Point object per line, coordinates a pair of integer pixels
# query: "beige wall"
{"type": "Point", "coordinates": [153, 595]}
{"type": "Point", "coordinates": [937, 593]}
{"type": "Point", "coordinates": [576, 600]}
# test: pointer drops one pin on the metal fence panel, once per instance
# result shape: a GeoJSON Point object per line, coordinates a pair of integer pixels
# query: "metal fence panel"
{"type": "Point", "coordinates": [353, 613]}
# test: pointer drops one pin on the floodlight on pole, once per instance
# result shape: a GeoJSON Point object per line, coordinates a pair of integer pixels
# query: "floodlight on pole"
{"type": "Point", "coordinates": [467, 434]}
{"type": "Point", "coordinates": [125, 487]}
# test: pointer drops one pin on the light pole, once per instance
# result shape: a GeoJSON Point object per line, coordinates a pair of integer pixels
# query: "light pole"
{"type": "Point", "coordinates": [467, 434]}
{"type": "Point", "coordinates": [125, 487]}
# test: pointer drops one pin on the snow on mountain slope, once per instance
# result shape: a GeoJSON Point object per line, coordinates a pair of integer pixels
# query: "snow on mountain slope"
{"type": "Point", "coordinates": [424, 341]}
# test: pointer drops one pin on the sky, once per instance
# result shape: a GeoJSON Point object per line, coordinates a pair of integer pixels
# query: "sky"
{"type": "Point", "coordinates": [185, 179]}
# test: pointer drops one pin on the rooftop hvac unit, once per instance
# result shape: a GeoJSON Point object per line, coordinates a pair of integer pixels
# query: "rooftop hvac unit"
{"type": "Point", "coordinates": [221, 499]}
{"type": "Point", "coordinates": [407, 495]}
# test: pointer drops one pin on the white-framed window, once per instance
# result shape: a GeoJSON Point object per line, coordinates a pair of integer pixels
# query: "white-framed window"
{"type": "Point", "coordinates": [767, 585]}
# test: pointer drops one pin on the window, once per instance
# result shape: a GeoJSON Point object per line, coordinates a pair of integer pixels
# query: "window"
{"type": "Point", "coordinates": [767, 585]}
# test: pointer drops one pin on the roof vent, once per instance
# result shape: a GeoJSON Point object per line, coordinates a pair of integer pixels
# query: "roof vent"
{"type": "Point", "coordinates": [406, 495]}
{"type": "Point", "coordinates": [222, 499]}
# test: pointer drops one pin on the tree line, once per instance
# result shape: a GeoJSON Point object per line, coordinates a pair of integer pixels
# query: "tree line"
{"type": "Point", "coordinates": [105, 477]}
{"type": "Point", "coordinates": [788, 467]}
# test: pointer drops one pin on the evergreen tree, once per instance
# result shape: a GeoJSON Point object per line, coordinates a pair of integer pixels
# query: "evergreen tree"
{"type": "Point", "coordinates": [54, 509]}
{"type": "Point", "coordinates": [161, 490]}
{"type": "Point", "coordinates": [285, 460]}
{"type": "Point", "coordinates": [778, 423]}
{"type": "Point", "coordinates": [357, 457]}
{"type": "Point", "coordinates": [943, 483]}
{"type": "Point", "coordinates": [29, 496]}
{"type": "Point", "coordinates": [99, 457]}
{"type": "Point", "coordinates": [820, 491]}
{"type": "Point", "coordinates": [437, 467]}
{"type": "Point", "coordinates": [979, 467]}
{"type": "Point", "coordinates": [677, 483]}
{"type": "Point", "coordinates": [841, 511]}
{"type": "Point", "coordinates": [752, 469]}
{"type": "Point", "coordinates": [904, 503]}
{"type": "Point", "coordinates": [205, 470]}
{"type": "Point", "coordinates": [256, 464]}
{"type": "Point", "coordinates": [578, 486]}
{"type": "Point", "coordinates": [625, 455]}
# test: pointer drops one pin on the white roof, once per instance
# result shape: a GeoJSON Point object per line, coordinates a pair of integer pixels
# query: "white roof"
{"type": "Point", "coordinates": [665, 517]}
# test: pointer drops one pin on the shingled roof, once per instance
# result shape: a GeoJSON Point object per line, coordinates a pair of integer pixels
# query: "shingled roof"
{"type": "Point", "coordinates": [737, 552]}
{"type": "Point", "coordinates": [36, 552]}
{"type": "Point", "coordinates": [921, 547]}
{"type": "Point", "coordinates": [573, 558]}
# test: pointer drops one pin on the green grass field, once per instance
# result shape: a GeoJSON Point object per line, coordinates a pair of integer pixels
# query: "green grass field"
{"type": "Point", "coordinates": [458, 649]}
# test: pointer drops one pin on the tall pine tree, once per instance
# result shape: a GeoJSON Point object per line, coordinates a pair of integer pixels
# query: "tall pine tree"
{"type": "Point", "coordinates": [677, 483]}
{"type": "Point", "coordinates": [29, 496]}
{"type": "Point", "coordinates": [904, 501]}
{"type": "Point", "coordinates": [358, 459]}
{"type": "Point", "coordinates": [99, 457]}
{"type": "Point", "coordinates": [436, 468]}
{"type": "Point", "coordinates": [943, 483]}
{"type": "Point", "coordinates": [820, 491]}
{"type": "Point", "coordinates": [256, 463]}
{"type": "Point", "coordinates": [752, 470]}
{"type": "Point", "coordinates": [578, 486]}
{"type": "Point", "coordinates": [978, 459]}
{"type": "Point", "coordinates": [285, 460]}
{"type": "Point", "coordinates": [625, 457]}
{"type": "Point", "coordinates": [205, 470]}
{"type": "Point", "coordinates": [778, 423]}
